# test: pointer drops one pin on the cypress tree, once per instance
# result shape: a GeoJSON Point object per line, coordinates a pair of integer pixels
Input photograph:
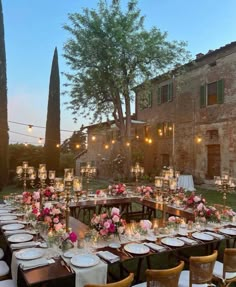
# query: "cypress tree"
{"type": "Point", "coordinates": [4, 139]}
{"type": "Point", "coordinates": [52, 137]}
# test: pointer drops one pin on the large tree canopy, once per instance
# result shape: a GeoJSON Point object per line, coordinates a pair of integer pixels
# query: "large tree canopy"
{"type": "Point", "coordinates": [109, 53]}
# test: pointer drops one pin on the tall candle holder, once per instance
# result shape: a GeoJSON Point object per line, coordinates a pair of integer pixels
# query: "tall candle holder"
{"type": "Point", "coordinates": [68, 179]}
{"type": "Point", "coordinates": [59, 186]}
{"type": "Point", "coordinates": [77, 187]}
{"type": "Point", "coordinates": [225, 185]}
{"type": "Point", "coordinates": [25, 172]}
{"type": "Point", "coordinates": [51, 176]}
{"type": "Point", "coordinates": [88, 171]}
{"type": "Point", "coordinates": [137, 171]}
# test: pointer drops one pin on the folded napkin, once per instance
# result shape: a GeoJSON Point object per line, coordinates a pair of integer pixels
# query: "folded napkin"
{"type": "Point", "coordinates": [215, 235]}
{"type": "Point", "coordinates": [108, 256]}
{"type": "Point", "coordinates": [21, 231]}
{"type": "Point", "coordinates": [24, 245]}
{"type": "Point", "coordinates": [30, 264]}
{"type": "Point", "coordinates": [188, 240]}
{"type": "Point", "coordinates": [154, 246]}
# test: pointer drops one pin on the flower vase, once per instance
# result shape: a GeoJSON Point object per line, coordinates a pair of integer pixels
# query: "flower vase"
{"type": "Point", "coordinates": [66, 245]}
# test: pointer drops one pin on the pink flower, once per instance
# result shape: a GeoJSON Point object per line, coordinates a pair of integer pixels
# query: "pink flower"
{"type": "Point", "coordinates": [47, 219]}
{"type": "Point", "coordinates": [73, 237]}
{"type": "Point", "coordinates": [116, 218]}
{"type": "Point", "coordinates": [145, 224]}
{"type": "Point", "coordinates": [56, 220]}
{"type": "Point", "coordinates": [36, 195]}
{"type": "Point", "coordinates": [107, 224]}
{"type": "Point", "coordinates": [103, 232]}
{"type": "Point", "coordinates": [58, 226]}
{"type": "Point", "coordinates": [171, 219]}
{"type": "Point", "coordinates": [115, 211]}
{"type": "Point", "coordinates": [112, 228]}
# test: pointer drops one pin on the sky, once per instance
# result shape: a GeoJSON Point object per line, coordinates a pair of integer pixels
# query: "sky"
{"type": "Point", "coordinates": [33, 28]}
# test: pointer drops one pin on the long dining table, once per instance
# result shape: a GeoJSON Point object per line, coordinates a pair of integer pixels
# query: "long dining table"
{"type": "Point", "coordinates": [156, 244]}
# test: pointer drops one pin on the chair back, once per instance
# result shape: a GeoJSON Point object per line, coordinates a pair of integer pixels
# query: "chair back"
{"type": "Point", "coordinates": [229, 260]}
{"type": "Point", "coordinates": [165, 277]}
{"type": "Point", "coordinates": [201, 268]}
{"type": "Point", "coordinates": [122, 283]}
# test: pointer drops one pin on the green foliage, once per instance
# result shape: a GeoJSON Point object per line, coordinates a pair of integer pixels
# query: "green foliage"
{"type": "Point", "coordinates": [52, 137]}
{"type": "Point", "coordinates": [70, 144]}
{"type": "Point", "coordinates": [109, 53]}
{"type": "Point", "coordinates": [3, 107]}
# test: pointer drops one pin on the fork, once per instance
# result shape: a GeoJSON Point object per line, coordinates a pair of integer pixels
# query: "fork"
{"type": "Point", "coordinates": [66, 266]}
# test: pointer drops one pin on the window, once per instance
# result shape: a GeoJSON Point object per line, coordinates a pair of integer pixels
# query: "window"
{"type": "Point", "coordinates": [145, 100]}
{"type": "Point", "coordinates": [212, 93]}
{"type": "Point", "coordinates": [165, 93]}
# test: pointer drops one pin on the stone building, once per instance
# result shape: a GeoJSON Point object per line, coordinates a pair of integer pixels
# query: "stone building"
{"type": "Point", "coordinates": [191, 116]}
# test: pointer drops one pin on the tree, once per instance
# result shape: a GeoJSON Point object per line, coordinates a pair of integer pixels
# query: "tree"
{"type": "Point", "coordinates": [110, 53]}
{"type": "Point", "coordinates": [75, 143]}
{"type": "Point", "coordinates": [52, 138]}
{"type": "Point", "coordinates": [3, 107]}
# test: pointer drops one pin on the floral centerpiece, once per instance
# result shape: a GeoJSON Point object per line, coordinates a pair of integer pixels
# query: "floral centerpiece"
{"type": "Point", "coordinates": [49, 193]}
{"type": "Point", "coordinates": [117, 189]}
{"type": "Point", "coordinates": [228, 214]}
{"type": "Point", "coordinates": [193, 200]}
{"type": "Point", "coordinates": [100, 193]}
{"type": "Point", "coordinates": [205, 213]}
{"type": "Point", "coordinates": [27, 197]}
{"type": "Point", "coordinates": [68, 240]}
{"type": "Point", "coordinates": [108, 223]}
{"type": "Point", "coordinates": [145, 191]}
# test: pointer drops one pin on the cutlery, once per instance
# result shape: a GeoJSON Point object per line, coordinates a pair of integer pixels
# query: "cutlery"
{"type": "Point", "coordinates": [66, 266]}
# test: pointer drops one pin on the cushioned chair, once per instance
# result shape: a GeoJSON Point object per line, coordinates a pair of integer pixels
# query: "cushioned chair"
{"type": "Point", "coordinates": [122, 283]}
{"type": "Point", "coordinates": [4, 270]}
{"type": "Point", "coordinates": [225, 273]}
{"type": "Point", "coordinates": [7, 283]}
{"type": "Point", "coordinates": [163, 277]}
{"type": "Point", "coordinates": [200, 271]}
{"type": "Point", "coordinates": [1, 253]}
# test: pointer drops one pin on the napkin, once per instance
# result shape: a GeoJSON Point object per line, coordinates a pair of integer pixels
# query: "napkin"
{"type": "Point", "coordinates": [188, 240]}
{"type": "Point", "coordinates": [21, 231]}
{"type": "Point", "coordinates": [216, 235]}
{"type": "Point", "coordinates": [154, 246]}
{"type": "Point", "coordinates": [30, 264]}
{"type": "Point", "coordinates": [108, 256]}
{"type": "Point", "coordinates": [24, 245]}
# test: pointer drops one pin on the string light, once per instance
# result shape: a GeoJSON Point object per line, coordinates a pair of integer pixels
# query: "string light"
{"type": "Point", "coordinates": [77, 146]}
{"type": "Point", "coordinates": [106, 146]}
{"type": "Point", "coordinates": [40, 140]}
{"type": "Point", "coordinates": [30, 128]}
{"type": "Point", "coordinates": [93, 138]}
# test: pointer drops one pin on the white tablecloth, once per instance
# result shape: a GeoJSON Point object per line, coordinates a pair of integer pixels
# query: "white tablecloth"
{"type": "Point", "coordinates": [186, 182]}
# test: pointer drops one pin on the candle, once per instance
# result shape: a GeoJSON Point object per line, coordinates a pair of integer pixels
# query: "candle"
{"type": "Point", "coordinates": [51, 174]}
{"type": "Point", "coordinates": [19, 169]}
{"type": "Point", "coordinates": [25, 164]}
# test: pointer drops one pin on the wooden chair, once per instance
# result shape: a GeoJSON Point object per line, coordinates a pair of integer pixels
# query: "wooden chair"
{"type": "Point", "coordinates": [200, 271]}
{"type": "Point", "coordinates": [4, 270]}
{"type": "Point", "coordinates": [225, 273]}
{"type": "Point", "coordinates": [122, 283]}
{"type": "Point", "coordinates": [163, 277]}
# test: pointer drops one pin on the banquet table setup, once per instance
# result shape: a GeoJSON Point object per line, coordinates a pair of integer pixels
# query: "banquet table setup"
{"type": "Point", "coordinates": [37, 260]}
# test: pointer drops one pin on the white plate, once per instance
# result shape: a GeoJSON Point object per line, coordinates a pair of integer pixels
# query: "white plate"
{"type": "Point", "coordinates": [85, 260]}
{"type": "Point", "coordinates": [174, 242]}
{"type": "Point", "coordinates": [136, 248]}
{"type": "Point", "coordinates": [151, 238]}
{"type": "Point", "coordinates": [2, 211]}
{"type": "Point", "coordinates": [13, 226]}
{"type": "Point", "coordinates": [20, 238]}
{"type": "Point", "coordinates": [228, 231]}
{"type": "Point", "coordinates": [29, 253]}
{"type": "Point", "coordinates": [8, 217]}
{"type": "Point", "coordinates": [70, 253]}
{"type": "Point", "coordinates": [202, 236]}
{"type": "Point", "coordinates": [114, 245]}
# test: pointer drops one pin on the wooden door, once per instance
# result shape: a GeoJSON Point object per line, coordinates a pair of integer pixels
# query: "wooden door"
{"type": "Point", "coordinates": [213, 157]}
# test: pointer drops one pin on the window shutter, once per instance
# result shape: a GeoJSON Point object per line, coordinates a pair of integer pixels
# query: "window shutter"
{"type": "Point", "coordinates": [159, 95]}
{"type": "Point", "coordinates": [170, 92]}
{"type": "Point", "coordinates": [220, 91]}
{"type": "Point", "coordinates": [202, 96]}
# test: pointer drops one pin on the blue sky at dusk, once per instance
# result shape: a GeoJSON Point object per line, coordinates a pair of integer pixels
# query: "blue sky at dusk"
{"type": "Point", "coordinates": [33, 28]}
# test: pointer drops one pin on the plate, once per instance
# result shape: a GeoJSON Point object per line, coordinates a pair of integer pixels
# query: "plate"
{"type": "Point", "coordinates": [8, 217]}
{"type": "Point", "coordinates": [2, 211]}
{"type": "Point", "coordinates": [70, 253]}
{"type": "Point", "coordinates": [114, 245]}
{"type": "Point", "coordinates": [85, 260]}
{"type": "Point", "coordinates": [136, 248]}
{"type": "Point", "coordinates": [202, 236]}
{"type": "Point", "coordinates": [29, 253]}
{"type": "Point", "coordinates": [13, 226]}
{"type": "Point", "coordinates": [151, 238]}
{"type": "Point", "coordinates": [20, 238]}
{"type": "Point", "coordinates": [174, 242]}
{"type": "Point", "coordinates": [228, 231]}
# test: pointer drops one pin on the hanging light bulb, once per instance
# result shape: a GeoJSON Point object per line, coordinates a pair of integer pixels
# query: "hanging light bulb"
{"type": "Point", "coordinates": [113, 141]}
{"type": "Point", "coordinates": [77, 146]}
{"type": "Point", "coordinates": [40, 140]}
{"type": "Point", "coordinates": [106, 146]}
{"type": "Point", "coordinates": [58, 145]}
{"type": "Point", "coordinates": [30, 128]}
{"type": "Point", "coordinates": [26, 144]}
{"type": "Point", "coordinates": [93, 138]}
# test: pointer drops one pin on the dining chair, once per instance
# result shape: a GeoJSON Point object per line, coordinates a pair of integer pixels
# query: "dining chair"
{"type": "Point", "coordinates": [122, 283]}
{"type": "Point", "coordinates": [200, 271]}
{"type": "Point", "coordinates": [225, 273]}
{"type": "Point", "coordinates": [162, 277]}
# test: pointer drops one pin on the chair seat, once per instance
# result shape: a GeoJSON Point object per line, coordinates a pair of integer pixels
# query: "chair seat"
{"type": "Point", "coordinates": [1, 253]}
{"type": "Point", "coordinates": [4, 268]}
{"type": "Point", "coordinates": [144, 284]}
{"type": "Point", "coordinates": [7, 283]}
{"type": "Point", "coordinates": [184, 280]}
{"type": "Point", "coordinates": [218, 271]}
